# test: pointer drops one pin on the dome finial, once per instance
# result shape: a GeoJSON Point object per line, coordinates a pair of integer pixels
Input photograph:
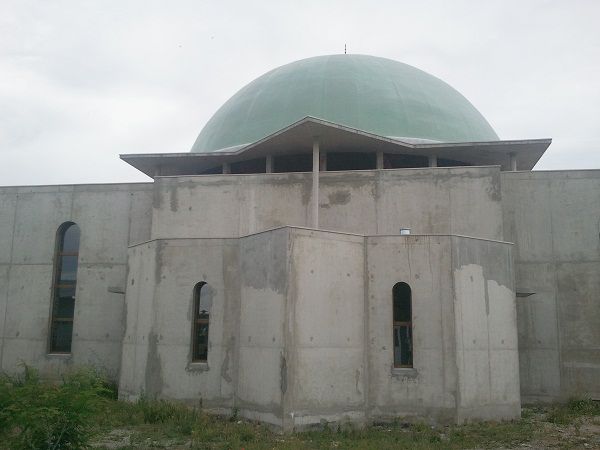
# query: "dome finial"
{"type": "Point", "coordinates": [344, 49]}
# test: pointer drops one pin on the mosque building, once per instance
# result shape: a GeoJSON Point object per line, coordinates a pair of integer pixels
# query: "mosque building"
{"type": "Point", "coordinates": [348, 240]}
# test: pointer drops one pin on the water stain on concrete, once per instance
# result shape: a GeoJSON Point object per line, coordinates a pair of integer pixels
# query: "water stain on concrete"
{"type": "Point", "coordinates": [272, 250]}
{"type": "Point", "coordinates": [159, 256]}
{"type": "Point", "coordinates": [225, 366]}
{"type": "Point", "coordinates": [341, 197]}
{"type": "Point", "coordinates": [283, 374]}
{"type": "Point", "coordinates": [153, 376]}
{"type": "Point", "coordinates": [174, 201]}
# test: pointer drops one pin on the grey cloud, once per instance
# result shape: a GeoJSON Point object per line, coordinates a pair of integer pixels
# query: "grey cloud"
{"type": "Point", "coordinates": [81, 82]}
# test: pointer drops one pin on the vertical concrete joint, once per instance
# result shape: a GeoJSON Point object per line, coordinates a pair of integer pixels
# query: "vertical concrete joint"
{"type": "Point", "coordinates": [269, 164]}
{"type": "Point", "coordinates": [513, 161]}
{"type": "Point", "coordinates": [433, 161]}
{"type": "Point", "coordinates": [379, 159]}
{"type": "Point", "coordinates": [315, 183]}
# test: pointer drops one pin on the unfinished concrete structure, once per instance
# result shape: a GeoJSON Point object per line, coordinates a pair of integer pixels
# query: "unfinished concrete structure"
{"type": "Point", "coordinates": [347, 240]}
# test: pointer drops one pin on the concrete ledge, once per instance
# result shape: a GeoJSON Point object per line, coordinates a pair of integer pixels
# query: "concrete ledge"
{"type": "Point", "coordinates": [197, 367]}
{"type": "Point", "coordinates": [316, 230]}
{"type": "Point", "coordinates": [59, 355]}
{"type": "Point", "coordinates": [404, 372]}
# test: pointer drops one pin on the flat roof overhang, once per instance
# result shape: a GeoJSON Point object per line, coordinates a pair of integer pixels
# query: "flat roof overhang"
{"type": "Point", "coordinates": [298, 138]}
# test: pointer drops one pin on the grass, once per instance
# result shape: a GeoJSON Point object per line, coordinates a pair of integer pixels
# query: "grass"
{"type": "Point", "coordinates": [83, 411]}
{"type": "Point", "coordinates": [160, 424]}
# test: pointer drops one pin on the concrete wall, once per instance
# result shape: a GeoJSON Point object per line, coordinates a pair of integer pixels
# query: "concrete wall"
{"type": "Point", "coordinates": [306, 334]}
{"type": "Point", "coordinates": [429, 389]}
{"type": "Point", "coordinates": [485, 317]}
{"type": "Point", "coordinates": [156, 357]}
{"type": "Point", "coordinates": [247, 304]}
{"type": "Point", "coordinates": [262, 375]}
{"type": "Point", "coordinates": [427, 200]}
{"type": "Point", "coordinates": [464, 328]}
{"type": "Point", "coordinates": [554, 220]}
{"type": "Point", "coordinates": [326, 357]}
{"type": "Point", "coordinates": [110, 217]}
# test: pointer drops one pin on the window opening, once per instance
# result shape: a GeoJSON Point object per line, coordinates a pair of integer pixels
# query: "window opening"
{"type": "Point", "coordinates": [200, 325]}
{"type": "Point", "coordinates": [63, 290]}
{"type": "Point", "coordinates": [293, 163]}
{"type": "Point", "coordinates": [400, 161]}
{"type": "Point", "coordinates": [403, 349]}
{"type": "Point", "coordinates": [351, 161]}
{"type": "Point", "coordinates": [257, 165]}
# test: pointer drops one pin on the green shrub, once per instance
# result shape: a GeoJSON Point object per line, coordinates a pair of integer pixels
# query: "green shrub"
{"type": "Point", "coordinates": [569, 412]}
{"type": "Point", "coordinates": [40, 415]}
{"type": "Point", "coordinates": [584, 407]}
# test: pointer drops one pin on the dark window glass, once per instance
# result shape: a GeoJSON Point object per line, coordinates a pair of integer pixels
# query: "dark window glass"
{"type": "Point", "coordinates": [402, 346]}
{"type": "Point", "coordinates": [62, 333]}
{"type": "Point", "coordinates": [402, 300]}
{"type": "Point", "coordinates": [200, 324]}
{"type": "Point", "coordinates": [212, 170]}
{"type": "Point", "coordinates": [393, 161]}
{"type": "Point", "coordinates": [64, 306]}
{"type": "Point", "coordinates": [250, 166]}
{"type": "Point", "coordinates": [441, 162]}
{"type": "Point", "coordinates": [403, 351]}
{"type": "Point", "coordinates": [351, 161]}
{"type": "Point", "coordinates": [293, 163]}
{"type": "Point", "coordinates": [201, 341]}
{"type": "Point", "coordinates": [68, 268]}
{"type": "Point", "coordinates": [65, 282]}
{"type": "Point", "coordinates": [71, 239]}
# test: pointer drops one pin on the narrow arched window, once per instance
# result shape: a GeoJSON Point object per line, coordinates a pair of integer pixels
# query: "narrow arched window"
{"type": "Point", "coordinates": [63, 289]}
{"type": "Point", "coordinates": [200, 324]}
{"type": "Point", "coordinates": [403, 349]}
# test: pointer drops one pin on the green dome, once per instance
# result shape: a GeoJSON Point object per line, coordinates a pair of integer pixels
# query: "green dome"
{"type": "Point", "coordinates": [372, 94]}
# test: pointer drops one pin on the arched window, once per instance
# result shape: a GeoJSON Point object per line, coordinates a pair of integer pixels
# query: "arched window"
{"type": "Point", "coordinates": [200, 325]}
{"type": "Point", "coordinates": [403, 349]}
{"type": "Point", "coordinates": [63, 289]}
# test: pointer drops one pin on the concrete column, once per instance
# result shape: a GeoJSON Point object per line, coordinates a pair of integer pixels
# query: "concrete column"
{"type": "Point", "coordinates": [269, 164]}
{"type": "Point", "coordinates": [513, 162]}
{"type": "Point", "coordinates": [432, 160]}
{"type": "Point", "coordinates": [315, 184]}
{"type": "Point", "coordinates": [379, 159]}
{"type": "Point", "coordinates": [226, 168]}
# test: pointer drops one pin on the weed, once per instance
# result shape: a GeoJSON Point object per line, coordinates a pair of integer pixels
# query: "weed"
{"type": "Point", "coordinates": [564, 414]}
{"type": "Point", "coordinates": [581, 407]}
{"type": "Point", "coordinates": [180, 418]}
{"type": "Point", "coordinates": [235, 411]}
{"type": "Point", "coordinates": [39, 415]}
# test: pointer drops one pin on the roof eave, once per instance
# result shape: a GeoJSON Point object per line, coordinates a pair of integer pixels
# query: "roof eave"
{"type": "Point", "coordinates": [298, 138]}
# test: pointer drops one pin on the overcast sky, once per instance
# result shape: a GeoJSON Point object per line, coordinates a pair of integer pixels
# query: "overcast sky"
{"type": "Point", "coordinates": [83, 81]}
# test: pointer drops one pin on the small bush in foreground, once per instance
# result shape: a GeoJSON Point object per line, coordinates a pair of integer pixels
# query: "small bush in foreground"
{"type": "Point", "coordinates": [39, 415]}
{"type": "Point", "coordinates": [574, 408]}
